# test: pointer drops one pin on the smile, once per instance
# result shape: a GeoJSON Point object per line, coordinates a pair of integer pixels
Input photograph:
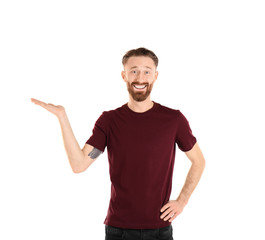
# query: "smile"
{"type": "Point", "coordinates": [140, 86]}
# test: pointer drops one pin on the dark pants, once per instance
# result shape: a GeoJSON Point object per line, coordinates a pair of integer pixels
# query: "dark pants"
{"type": "Point", "coordinates": [116, 233]}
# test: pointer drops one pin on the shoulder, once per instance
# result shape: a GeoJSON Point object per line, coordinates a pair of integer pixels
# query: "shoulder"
{"type": "Point", "coordinates": [115, 112]}
{"type": "Point", "coordinates": [111, 112]}
{"type": "Point", "coordinates": [169, 110]}
{"type": "Point", "coordinates": [176, 114]}
{"type": "Point", "coordinates": [108, 115]}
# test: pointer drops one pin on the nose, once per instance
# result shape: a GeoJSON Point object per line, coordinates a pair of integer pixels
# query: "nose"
{"type": "Point", "coordinates": [141, 77]}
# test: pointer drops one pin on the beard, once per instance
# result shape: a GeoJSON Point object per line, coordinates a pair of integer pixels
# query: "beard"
{"type": "Point", "coordinates": [139, 96]}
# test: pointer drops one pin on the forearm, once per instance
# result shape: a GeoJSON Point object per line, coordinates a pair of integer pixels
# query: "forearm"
{"type": "Point", "coordinates": [73, 150]}
{"type": "Point", "coordinates": [191, 182]}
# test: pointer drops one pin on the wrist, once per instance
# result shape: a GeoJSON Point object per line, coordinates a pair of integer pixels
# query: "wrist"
{"type": "Point", "coordinates": [183, 199]}
{"type": "Point", "coordinates": [62, 116]}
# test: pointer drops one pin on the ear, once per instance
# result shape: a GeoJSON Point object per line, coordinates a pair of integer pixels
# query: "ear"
{"type": "Point", "coordinates": [156, 75]}
{"type": "Point", "coordinates": [123, 75]}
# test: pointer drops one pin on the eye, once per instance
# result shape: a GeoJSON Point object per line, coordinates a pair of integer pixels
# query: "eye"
{"type": "Point", "coordinates": [147, 72]}
{"type": "Point", "coordinates": [133, 71]}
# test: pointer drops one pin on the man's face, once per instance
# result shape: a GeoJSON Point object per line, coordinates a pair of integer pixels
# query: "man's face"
{"type": "Point", "coordinates": [139, 74]}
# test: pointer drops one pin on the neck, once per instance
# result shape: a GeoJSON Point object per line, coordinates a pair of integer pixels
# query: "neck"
{"type": "Point", "coordinates": [140, 106]}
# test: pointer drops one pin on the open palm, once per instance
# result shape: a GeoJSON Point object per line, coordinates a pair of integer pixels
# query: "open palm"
{"type": "Point", "coordinates": [57, 110]}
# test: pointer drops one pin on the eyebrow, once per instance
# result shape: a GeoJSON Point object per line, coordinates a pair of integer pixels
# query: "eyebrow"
{"type": "Point", "coordinates": [137, 67]}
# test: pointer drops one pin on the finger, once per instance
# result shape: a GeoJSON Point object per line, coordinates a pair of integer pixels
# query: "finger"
{"type": "Point", "coordinates": [168, 216]}
{"type": "Point", "coordinates": [171, 219]}
{"type": "Point", "coordinates": [48, 106]}
{"type": "Point", "coordinates": [38, 102]}
{"type": "Point", "coordinates": [165, 214]}
{"type": "Point", "coordinates": [42, 104]}
{"type": "Point", "coordinates": [164, 208]}
{"type": "Point", "coordinates": [35, 100]}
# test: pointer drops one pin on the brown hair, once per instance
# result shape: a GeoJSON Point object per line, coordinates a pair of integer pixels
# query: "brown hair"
{"type": "Point", "coordinates": [140, 52]}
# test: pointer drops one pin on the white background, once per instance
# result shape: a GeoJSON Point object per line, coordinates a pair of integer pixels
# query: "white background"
{"type": "Point", "coordinates": [211, 67]}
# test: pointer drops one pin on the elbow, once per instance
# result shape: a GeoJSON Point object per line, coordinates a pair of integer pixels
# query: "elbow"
{"type": "Point", "coordinates": [77, 170]}
{"type": "Point", "coordinates": [200, 164]}
{"type": "Point", "coordinates": [76, 165]}
{"type": "Point", "coordinates": [203, 163]}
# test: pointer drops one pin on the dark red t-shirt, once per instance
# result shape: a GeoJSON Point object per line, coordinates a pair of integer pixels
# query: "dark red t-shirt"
{"type": "Point", "coordinates": [141, 154]}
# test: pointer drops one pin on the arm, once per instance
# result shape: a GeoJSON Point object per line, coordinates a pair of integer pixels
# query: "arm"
{"type": "Point", "coordinates": [175, 207]}
{"type": "Point", "coordinates": [79, 159]}
{"type": "Point", "coordinates": [198, 164]}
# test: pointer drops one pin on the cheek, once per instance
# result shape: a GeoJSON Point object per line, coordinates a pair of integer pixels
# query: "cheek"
{"type": "Point", "coordinates": [131, 77]}
{"type": "Point", "coordinates": [129, 83]}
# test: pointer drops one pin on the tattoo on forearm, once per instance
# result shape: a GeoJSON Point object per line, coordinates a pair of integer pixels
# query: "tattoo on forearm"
{"type": "Point", "coordinates": [94, 153]}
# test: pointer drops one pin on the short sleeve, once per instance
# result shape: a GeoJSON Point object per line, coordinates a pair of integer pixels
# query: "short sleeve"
{"type": "Point", "coordinates": [184, 135]}
{"type": "Point", "coordinates": [98, 139]}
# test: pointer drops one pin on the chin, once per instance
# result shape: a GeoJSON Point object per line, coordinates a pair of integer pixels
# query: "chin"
{"type": "Point", "coordinates": [139, 97]}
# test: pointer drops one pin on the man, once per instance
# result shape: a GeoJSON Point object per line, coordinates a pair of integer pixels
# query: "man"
{"type": "Point", "coordinates": [140, 136]}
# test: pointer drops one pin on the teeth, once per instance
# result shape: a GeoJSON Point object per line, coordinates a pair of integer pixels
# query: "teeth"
{"type": "Point", "coordinates": [140, 86]}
